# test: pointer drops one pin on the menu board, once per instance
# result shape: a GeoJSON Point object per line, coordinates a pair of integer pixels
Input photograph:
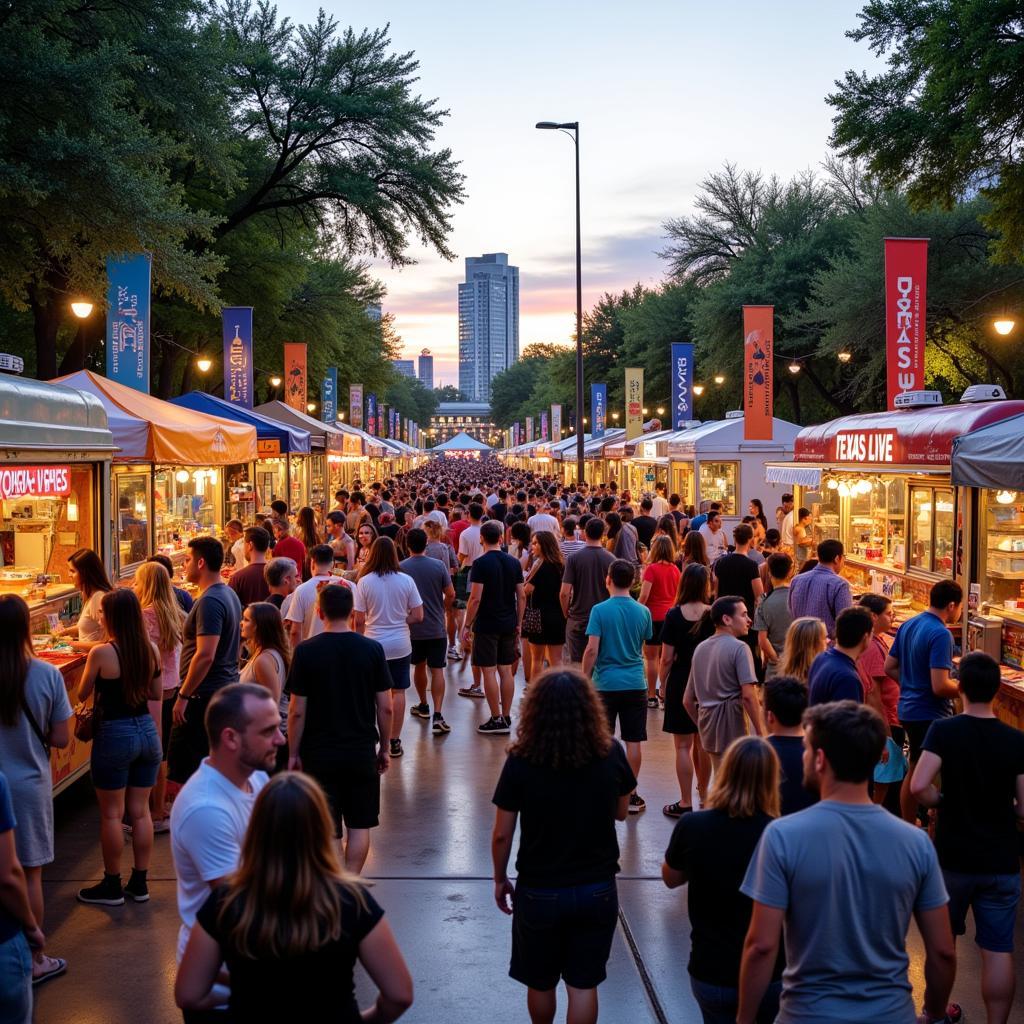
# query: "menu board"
{"type": "Point", "coordinates": [1013, 644]}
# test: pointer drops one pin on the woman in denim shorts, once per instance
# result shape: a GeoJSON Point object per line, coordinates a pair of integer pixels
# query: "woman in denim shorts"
{"type": "Point", "coordinates": [125, 674]}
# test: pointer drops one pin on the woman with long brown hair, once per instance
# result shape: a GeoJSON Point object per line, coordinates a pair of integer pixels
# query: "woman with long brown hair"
{"type": "Point", "coordinates": [291, 923]}
{"type": "Point", "coordinates": [125, 761]}
{"type": "Point", "coordinates": [570, 781]}
{"type": "Point", "coordinates": [543, 584]}
{"type": "Point", "coordinates": [165, 622]}
{"type": "Point", "coordinates": [34, 716]}
{"type": "Point", "coordinates": [270, 657]}
{"type": "Point", "coordinates": [805, 640]}
{"type": "Point", "coordinates": [89, 575]}
{"type": "Point", "coordinates": [386, 604]}
{"type": "Point", "coordinates": [365, 536]}
{"type": "Point", "coordinates": [711, 850]}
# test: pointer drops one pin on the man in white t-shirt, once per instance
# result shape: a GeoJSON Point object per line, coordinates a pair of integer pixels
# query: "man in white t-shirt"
{"type": "Point", "coordinates": [470, 547]}
{"type": "Point", "coordinates": [211, 813]}
{"type": "Point", "coordinates": [714, 537]}
{"type": "Point", "coordinates": [788, 522]}
{"type": "Point", "coordinates": [541, 521]}
{"type": "Point", "coordinates": [300, 610]}
{"type": "Point", "coordinates": [659, 503]}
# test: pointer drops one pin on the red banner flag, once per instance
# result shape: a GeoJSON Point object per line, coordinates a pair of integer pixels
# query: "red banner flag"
{"type": "Point", "coordinates": [758, 372]}
{"type": "Point", "coordinates": [906, 286]}
{"type": "Point", "coordinates": [295, 375]}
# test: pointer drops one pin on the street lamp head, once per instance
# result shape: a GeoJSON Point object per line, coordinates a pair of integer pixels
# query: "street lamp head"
{"type": "Point", "coordinates": [698, 389]}
{"type": "Point", "coordinates": [719, 378]}
{"type": "Point", "coordinates": [275, 381]}
{"type": "Point", "coordinates": [554, 125]}
{"type": "Point", "coordinates": [844, 356]}
{"type": "Point", "coordinates": [311, 407]}
{"type": "Point", "coordinates": [1004, 325]}
{"type": "Point", "coordinates": [81, 308]}
{"type": "Point", "coordinates": [203, 364]}
{"type": "Point", "coordinates": [794, 367]}
{"type": "Point", "coordinates": [661, 410]}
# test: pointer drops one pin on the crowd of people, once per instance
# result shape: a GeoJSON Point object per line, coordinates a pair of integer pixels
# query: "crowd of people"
{"type": "Point", "coordinates": [254, 713]}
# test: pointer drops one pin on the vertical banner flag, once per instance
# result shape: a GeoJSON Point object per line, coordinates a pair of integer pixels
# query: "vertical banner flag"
{"type": "Point", "coordinates": [128, 320]}
{"type": "Point", "coordinates": [634, 401]}
{"type": "Point", "coordinates": [371, 414]}
{"type": "Point", "coordinates": [906, 280]}
{"type": "Point", "coordinates": [236, 322]}
{"type": "Point", "coordinates": [329, 396]}
{"type": "Point", "coordinates": [295, 375]}
{"type": "Point", "coordinates": [682, 384]}
{"type": "Point", "coordinates": [556, 423]}
{"type": "Point", "coordinates": [383, 418]}
{"type": "Point", "coordinates": [529, 429]}
{"type": "Point", "coordinates": [598, 409]}
{"type": "Point", "coordinates": [515, 434]}
{"type": "Point", "coordinates": [543, 426]}
{"type": "Point", "coordinates": [393, 425]}
{"type": "Point", "coordinates": [758, 372]}
{"type": "Point", "coordinates": [355, 405]}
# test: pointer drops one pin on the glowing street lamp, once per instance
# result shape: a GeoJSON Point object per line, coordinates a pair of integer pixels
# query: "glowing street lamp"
{"type": "Point", "coordinates": [203, 364]}
{"type": "Point", "coordinates": [844, 356]}
{"type": "Point", "coordinates": [719, 378]}
{"type": "Point", "coordinates": [1004, 325]}
{"type": "Point", "coordinates": [794, 367]}
{"type": "Point", "coordinates": [698, 389]}
{"type": "Point", "coordinates": [81, 308]}
{"type": "Point", "coordinates": [275, 381]}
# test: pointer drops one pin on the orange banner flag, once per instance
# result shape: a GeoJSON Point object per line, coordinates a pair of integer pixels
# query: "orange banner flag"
{"type": "Point", "coordinates": [758, 372]}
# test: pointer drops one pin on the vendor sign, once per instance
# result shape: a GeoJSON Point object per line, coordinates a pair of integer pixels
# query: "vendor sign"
{"type": "Point", "coordinates": [634, 401]}
{"type": "Point", "coordinates": [295, 375]}
{"type": "Point", "coordinates": [128, 320]}
{"type": "Point", "coordinates": [758, 372]}
{"type": "Point", "coordinates": [35, 481]}
{"type": "Point", "coordinates": [236, 322]}
{"type": "Point", "coordinates": [906, 271]}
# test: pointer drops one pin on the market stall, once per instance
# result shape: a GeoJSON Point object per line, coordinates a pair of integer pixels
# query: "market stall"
{"type": "Point", "coordinates": [562, 455]}
{"type": "Point", "coordinates": [54, 499]}
{"type": "Point", "coordinates": [251, 487]}
{"type": "Point", "coordinates": [461, 446]}
{"type": "Point", "coordinates": [169, 470]}
{"type": "Point", "coordinates": [598, 469]}
{"type": "Point", "coordinates": [713, 462]}
{"type": "Point", "coordinates": [642, 461]}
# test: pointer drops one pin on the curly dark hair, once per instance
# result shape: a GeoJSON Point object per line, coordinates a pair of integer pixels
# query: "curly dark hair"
{"type": "Point", "coordinates": [562, 724]}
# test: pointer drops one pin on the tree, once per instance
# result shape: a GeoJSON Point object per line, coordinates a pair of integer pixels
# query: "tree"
{"type": "Point", "coordinates": [448, 393]}
{"type": "Point", "coordinates": [411, 398]}
{"type": "Point", "coordinates": [944, 118]}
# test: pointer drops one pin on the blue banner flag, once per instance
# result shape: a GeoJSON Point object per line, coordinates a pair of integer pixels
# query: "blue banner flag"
{"type": "Point", "coordinates": [682, 384]}
{"type": "Point", "coordinates": [598, 409]}
{"type": "Point", "coordinates": [329, 395]}
{"type": "Point", "coordinates": [371, 414]}
{"type": "Point", "coordinates": [128, 280]}
{"type": "Point", "coordinates": [236, 322]}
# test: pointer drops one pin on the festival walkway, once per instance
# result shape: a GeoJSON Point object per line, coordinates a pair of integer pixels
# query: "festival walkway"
{"type": "Point", "coordinates": [431, 865]}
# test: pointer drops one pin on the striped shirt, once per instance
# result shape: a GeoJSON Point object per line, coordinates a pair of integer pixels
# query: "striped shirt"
{"type": "Point", "coordinates": [821, 594]}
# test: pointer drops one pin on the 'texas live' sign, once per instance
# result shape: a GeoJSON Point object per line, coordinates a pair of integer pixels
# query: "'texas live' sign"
{"type": "Point", "coordinates": [906, 270]}
{"type": "Point", "coordinates": [869, 446]}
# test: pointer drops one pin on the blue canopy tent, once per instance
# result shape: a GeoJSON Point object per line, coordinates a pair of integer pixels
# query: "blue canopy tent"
{"type": "Point", "coordinates": [282, 450]}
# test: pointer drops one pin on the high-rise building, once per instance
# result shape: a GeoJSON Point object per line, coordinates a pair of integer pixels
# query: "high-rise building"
{"type": "Point", "coordinates": [488, 323]}
{"type": "Point", "coordinates": [404, 367]}
{"type": "Point", "coordinates": [426, 374]}
{"type": "Point", "coordinates": [374, 311]}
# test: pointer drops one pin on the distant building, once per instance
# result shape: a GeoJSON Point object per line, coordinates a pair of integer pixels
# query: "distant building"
{"type": "Point", "coordinates": [488, 323]}
{"type": "Point", "coordinates": [472, 417]}
{"type": "Point", "coordinates": [373, 311]}
{"type": "Point", "coordinates": [404, 367]}
{"type": "Point", "coordinates": [426, 374]}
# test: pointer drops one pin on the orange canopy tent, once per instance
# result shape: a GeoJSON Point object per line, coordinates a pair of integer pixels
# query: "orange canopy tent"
{"type": "Point", "coordinates": [174, 436]}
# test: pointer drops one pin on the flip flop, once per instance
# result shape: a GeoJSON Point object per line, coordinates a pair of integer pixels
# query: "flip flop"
{"type": "Point", "coordinates": [675, 810]}
{"type": "Point", "coordinates": [54, 965]}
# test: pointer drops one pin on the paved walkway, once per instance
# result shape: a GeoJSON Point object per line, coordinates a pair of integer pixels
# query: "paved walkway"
{"type": "Point", "coordinates": [431, 864]}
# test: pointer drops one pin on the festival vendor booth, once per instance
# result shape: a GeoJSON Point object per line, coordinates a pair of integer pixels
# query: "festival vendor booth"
{"type": "Point", "coordinates": [598, 469]}
{"type": "Point", "coordinates": [169, 470]}
{"type": "Point", "coordinates": [520, 456]}
{"type": "Point", "coordinates": [643, 461]}
{"type": "Point", "coordinates": [461, 446]}
{"type": "Point", "coordinates": [54, 499]}
{"type": "Point", "coordinates": [713, 462]}
{"type": "Point", "coordinates": [563, 458]}
{"type": "Point", "coordinates": [251, 487]}
{"type": "Point", "coordinates": [988, 464]}
{"type": "Point", "coordinates": [309, 479]}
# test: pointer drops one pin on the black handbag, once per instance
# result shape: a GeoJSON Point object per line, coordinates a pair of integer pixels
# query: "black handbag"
{"type": "Point", "coordinates": [533, 622]}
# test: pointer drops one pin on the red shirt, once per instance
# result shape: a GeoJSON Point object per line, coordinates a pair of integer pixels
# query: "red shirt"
{"type": "Point", "coordinates": [293, 548]}
{"type": "Point", "coordinates": [664, 580]}
{"type": "Point", "coordinates": [455, 531]}
{"type": "Point", "coordinates": [871, 666]}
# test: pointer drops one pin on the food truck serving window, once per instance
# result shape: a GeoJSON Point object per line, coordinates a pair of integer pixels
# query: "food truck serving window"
{"type": "Point", "coordinates": [877, 521]}
{"type": "Point", "coordinates": [132, 524]}
{"type": "Point", "coordinates": [932, 529]}
{"type": "Point", "coordinates": [188, 503]}
{"type": "Point", "coordinates": [718, 483]}
{"type": "Point", "coordinates": [682, 482]}
{"type": "Point", "coordinates": [824, 508]}
{"type": "Point", "coordinates": [1002, 546]}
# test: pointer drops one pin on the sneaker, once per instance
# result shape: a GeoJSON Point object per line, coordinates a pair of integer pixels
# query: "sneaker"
{"type": "Point", "coordinates": [420, 710]}
{"type": "Point", "coordinates": [508, 722]}
{"type": "Point", "coordinates": [440, 725]}
{"type": "Point", "coordinates": [396, 748]}
{"type": "Point", "coordinates": [108, 893]}
{"type": "Point", "coordinates": [636, 803]}
{"type": "Point", "coordinates": [137, 889]}
{"type": "Point", "coordinates": [161, 825]}
{"type": "Point", "coordinates": [454, 654]}
{"type": "Point", "coordinates": [494, 727]}
{"type": "Point", "coordinates": [471, 691]}
{"type": "Point", "coordinates": [652, 702]}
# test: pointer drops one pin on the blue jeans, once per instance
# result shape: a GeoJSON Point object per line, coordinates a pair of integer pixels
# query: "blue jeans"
{"type": "Point", "coordinates": [718, 1004]}
{"type": "Point", "coordinates": [15, 981]}
{"type": "Point", "coordinates": [126, 752]}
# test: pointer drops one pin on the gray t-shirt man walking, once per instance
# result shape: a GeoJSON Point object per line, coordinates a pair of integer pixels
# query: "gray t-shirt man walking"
{"type": "Point", "coordinates": [583, 586]}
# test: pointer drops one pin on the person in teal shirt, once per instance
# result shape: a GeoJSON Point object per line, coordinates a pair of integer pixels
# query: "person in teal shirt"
{"type": "Point", "coordinates": [614, 658]}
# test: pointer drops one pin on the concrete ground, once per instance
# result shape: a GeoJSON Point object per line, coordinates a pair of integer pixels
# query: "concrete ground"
{"type": "Point", "coordinates": [431, 864]}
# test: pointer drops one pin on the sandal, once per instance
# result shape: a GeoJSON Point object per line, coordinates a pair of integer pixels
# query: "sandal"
{"type": "Point", "coordinates": [51, 967]}
{"type": "Point", "coordinates": [676, 810]}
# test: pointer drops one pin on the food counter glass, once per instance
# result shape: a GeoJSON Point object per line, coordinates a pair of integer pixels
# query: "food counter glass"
{"type": "Point", "coordinates": [132, 527]}
{"type": "Point", "coordinates": [188, 502]}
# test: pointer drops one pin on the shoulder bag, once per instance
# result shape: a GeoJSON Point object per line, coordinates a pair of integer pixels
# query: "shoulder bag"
{"type": "Point", "coordinates": [34, 724]}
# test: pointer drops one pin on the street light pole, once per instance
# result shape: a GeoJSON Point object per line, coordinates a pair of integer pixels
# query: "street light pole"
{"type": "Point", "coordinates": [574, 127]}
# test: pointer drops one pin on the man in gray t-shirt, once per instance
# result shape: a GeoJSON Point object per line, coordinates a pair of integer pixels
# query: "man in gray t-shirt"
{"type": "Point", "coordinates": [844, 877]}
{"type": "Point", "coordinates": [583, 586]}
{"type": "Point", "coordinates": [722, 683]}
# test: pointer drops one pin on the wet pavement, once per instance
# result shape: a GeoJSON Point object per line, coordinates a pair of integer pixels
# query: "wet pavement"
{"type": "Point", "coordinates": [430, 861]}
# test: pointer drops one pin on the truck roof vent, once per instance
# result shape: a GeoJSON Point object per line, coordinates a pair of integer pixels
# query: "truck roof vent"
{"type": "Point", "coordinates": [917, 399]}
{"type": "Point", "coordinates": [734, 414]}
{"type": "Point", "coordinates": [983, 393]}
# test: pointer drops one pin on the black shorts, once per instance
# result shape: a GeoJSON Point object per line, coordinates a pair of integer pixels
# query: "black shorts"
{"type": "Point", "coordinates": [491, 649]}
{"type": "Point", "coordinates": [656, 628]}
{"type": "Point", "coordinates": [433, 652]}
{"type": "Point", "coordinates": [352, 788]}
{"type": "Point", "coordinates": [916, 732]}
{"type": "Point", "coordinates": [563, 933]}
{"type": "Point", "coordinates": [630, 707]}
{"type": "Point", "coordinates": [188, 743]}
{"type": "Point", "coordinates": [167, 720]}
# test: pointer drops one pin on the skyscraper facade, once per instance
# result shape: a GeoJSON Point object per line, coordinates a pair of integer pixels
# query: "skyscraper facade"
{"type": "Point", "coordinates": [488, 323]}
{"type": "Point", "coordinates": [426, 369]}
{"type": "Point", "coordinates": [405, 367]}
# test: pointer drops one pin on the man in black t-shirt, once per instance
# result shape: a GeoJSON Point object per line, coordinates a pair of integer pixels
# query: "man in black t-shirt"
{"type": "Point", "coordinates": [340, 708]}
{"type": "Point", "coordinates": [645, 524]}
{"type": "Point", "coordinates": [981, 761]}
{"type": "Point", "coordinates": [738, 576]}
{"type": "Point", "coordinates": [785, 701]}
{"type": "Point", "coordinates": [494, 615]}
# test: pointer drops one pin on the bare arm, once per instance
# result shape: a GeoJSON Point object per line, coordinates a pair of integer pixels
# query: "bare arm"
{"type": "Point", "coordinates": [939, 959]}
{"type": "Point", "coordinates": [673, 877]}
{"type": "Point", "coordinates": [265, 671]}
{"type": "Point", "coordinates": [473, 604]}
{"type": "Point", "coordinates": [765, 647]}
{"type": "Point", "coordinates": [206, 651]}
{"type": "Point", "coordinates": [590, 654]}
{"type": "Point", "coordinates": [690, 699]}
{"type": "Point", "coordinates": [873, 699]}
{"type": "Point", "coordinates": [60, 734]}
{"type": "Point", "coordinates": [520, 607]}
{"type": "Point", "coordinates": [501, 850]}
{"type": "Point", "coordinates": [449, 597]}
{"type": "Point", "coordinates": [565, 597]}
{"type": "Point", "coordinates": [294, 633]}
{"type": "Point", "coordinates": [385, 713]}
{"type": "Point", "coordinates": [415, 615]}
{"type": "Point", "coordinates": [892, 667]}
{"type": "Point", "coordinates": [943, 685]}
{"type": "Point", "coordinates": [88, 681]}
{"type": "Point", "coordinates": [758, 588]}
{"type": "Point", "coordinates": [359, 619]}
{"type": "Point", "coordinates": [14, 887]}
{"type": "Point", "coordinates": [760, 950]}
{"type": "Point", "coordinates": [645, 591]}
{"type": "Point", "coordinates": [380, 956]}
{"type": "Point", "coordinates": [752, 706]}
{"type": "Point", "coordinates": [197, 972]}
{"type": "Point", "coordinates": [622, 808]}
{"type": "Point", "coordinates": [296, 727]}
{"type": "Point", "coordinates": [922, 785]}
{"type": "Point", "coordinates": [668, 657]}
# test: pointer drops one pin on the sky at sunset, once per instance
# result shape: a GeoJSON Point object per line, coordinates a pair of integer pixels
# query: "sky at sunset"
{"type": "Point", "coordinates": [664, 93]}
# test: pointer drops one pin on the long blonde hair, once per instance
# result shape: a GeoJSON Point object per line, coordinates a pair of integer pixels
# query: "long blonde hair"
{"type": "Point", "coordinates": [747, 781]}
{"type": "Point", "coordinates": [153, 588]}
{"type": "Point", "coordinates": [285, 899]}
{"type": "Point", "coordinates": [805, 640]}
